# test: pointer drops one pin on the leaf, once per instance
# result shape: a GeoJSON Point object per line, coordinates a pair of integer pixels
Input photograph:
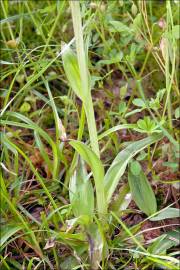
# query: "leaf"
{"type": "Point", "coordinates": [177, 113]}
{"type": "Point", "coordinates": [176, 31]}
{"type": "Point", "coordinates": [25, 107]}
{"type": "Point", "coordinates": [123, 90]}
{"type": "Point", "coordinates": [81, 192]}
{"type": "Point", "coordinates": [115, 128]}
{"type": "Point", "coordinates": [120, 27]}
{"type": "Point", "coordinates": [49, 244]}
{"type": "Point", "coordinates": [97, 169]}
{"type": "Point", "coordinates": [97, 244]}
{"type": "Point", "coordinates": [139, 102]}
{"type": "Point", "coordinates": [147, 125]}
{"type": "Point", "coordinates": [135, 168]}
{"type": "Point", "coordinates": [7, 231]}
{"type": "Point", "coordinates": [80, 220]}
{"type": "Point", "coordinates": [133, 112]}
{"type": "Point", "coordinates": [172, 165]}
{"type": "Point", "coordinates": [43, 150]}
{"type": "Point", "coordinates": [119, 164]}
{"type": "Point", "coordinates": [71, 69]}
{"type": "Point", "coordinates": [122, 107]}
{"type": "Point", "coordinates": [164, 242]}
{"type": "Point", "coordinates": [166, 213]}
{"type": "Point", "coordinates": [69, 262]}
{"type": "Point", "coordinates": [134, 9]}
{"type": "Point", "coordinates": [142, 192]}
{"type": "Point", "coordinates": [116, 59]}
{"type": "Point", "coordinates": [137, 23]}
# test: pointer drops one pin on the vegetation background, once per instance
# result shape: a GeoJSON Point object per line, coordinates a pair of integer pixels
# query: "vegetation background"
{"type": "Point", "coordinates": [89, 135]}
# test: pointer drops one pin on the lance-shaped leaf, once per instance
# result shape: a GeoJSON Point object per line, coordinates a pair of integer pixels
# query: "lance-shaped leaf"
{"type": "Point", "coordinates": [7, 231]}
{"type": "Point", "coordinates": [71, 69]}
{"type": "Point", "coordinates": [81, 192]}
{"type": "Point", "coordinates": [119, 164]}
{"type": "Point", "coordinates": [141, 190]}
{"type": "Point", "coordinates": [169, 212]}
{"type": "Point", "coordinates": [97, 169]}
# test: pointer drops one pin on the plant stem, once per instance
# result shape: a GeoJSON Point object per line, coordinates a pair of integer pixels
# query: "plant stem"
{"type": "Point", "coordinates": [84, 74]}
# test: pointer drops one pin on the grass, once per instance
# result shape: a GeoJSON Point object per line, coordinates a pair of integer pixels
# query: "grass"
{"type": "Point", "coordinates": [89, 135]}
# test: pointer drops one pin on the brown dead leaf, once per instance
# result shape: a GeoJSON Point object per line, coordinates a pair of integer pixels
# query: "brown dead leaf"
{"type": "Point", "coordinates": [49, 244]}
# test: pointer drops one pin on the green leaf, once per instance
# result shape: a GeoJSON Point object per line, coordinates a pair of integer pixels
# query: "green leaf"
{"type": "Point", "coordinates": [25, 107]}
{"type": "Point", "coordinates": [164, 242]}
{"type": "Point", "coordinates": [134, 9]}
{"type": "Point", "coordinates": [97, 169]}
{"type": "Point", "coordinates": [137, 23]}
{"type": "Point", "coordinates": [133, 112]}
{"type": "Point", "coordinates": [71, 69]}
{"type": "Point", "coordinates": [122, 107]}
{"type": "Point", "coordinates": [7, 231]}
{"type": "Point", "coordinates": [81, 192]}
{"type": "Point", "coordinates": [172, 165]}
{"type": "Point", "coordinates": [120, 27]}
{"type": "Point", "coordinates": [176, 31]}
{"type": "Point", "coordinates": [119, 164]}
{"type": "Point", "coordinates": [142, 192]}
{"type": "Point", "coordinates": [147, 125]}
{"type": "Point", "coordinates": [80, 220]}
{"type": "Point", "coordinates": [123, 90]}
{"type": "Point", "coordinates": [166, 213]}
{"type": "Point", "coordinates": [177, 113]}
{"type": "Point", "coordinates": [139, 102]}
{"type": "Point", "coordinates": [115, 128]}
{"type": "Point", "coordinates": [135, 167]}
{"type": "Point", "coordinates": [116, 59]}
{"type": "Point", "coordinates": [43, 150]}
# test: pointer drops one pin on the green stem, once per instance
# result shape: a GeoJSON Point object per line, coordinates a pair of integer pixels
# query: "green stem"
{"type": "Point", "coordinates": [84, 74]}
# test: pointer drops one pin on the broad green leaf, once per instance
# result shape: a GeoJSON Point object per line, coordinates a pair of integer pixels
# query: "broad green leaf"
{"type": "Point", "coordinates": [166, 213]}
{"type": "Point", "coordinates": [81, 192]}
{"type": "Point", "coordinates": [7, 231]}
{"type": "Point", "coordinates": [135, 167]}
{"type": "Point", "coordinates": [146, 124]}
{"type": "Point", "coordinates": [69, 262]}
{"type": "Point", "coordinates": [71, 69]}
{"type": "Point", "coordinates": [139, 102]}
{"type": "Point", "coordinates": [122, 107]}
{"type": "Point", "coordinates": [97, 169]}
{"type": "Point", "coordinates": [137, 23]}
{"type": "Point", "coordinates": [120, 27]}
{"type": "Point", "coordinates": [119, 164]}
{"type": "Point", "coordinates": [142, 192]}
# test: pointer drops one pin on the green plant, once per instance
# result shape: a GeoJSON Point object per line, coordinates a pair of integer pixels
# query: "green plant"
{"type": "Point", "coordinates": [89, 121]}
